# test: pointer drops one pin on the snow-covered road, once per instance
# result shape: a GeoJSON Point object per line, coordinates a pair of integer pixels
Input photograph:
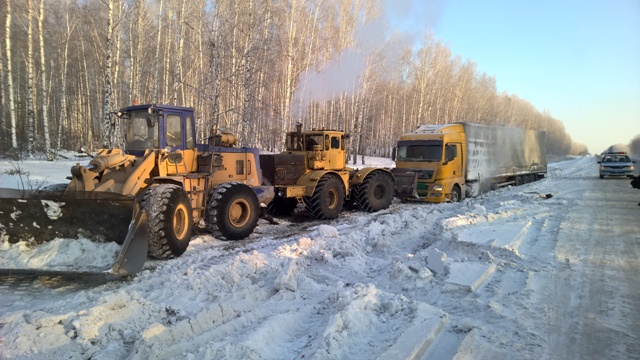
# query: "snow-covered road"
{"type": "Point", "coordinates": [506, 275]}
{"type": "Point", "coordinates": [594, 300]}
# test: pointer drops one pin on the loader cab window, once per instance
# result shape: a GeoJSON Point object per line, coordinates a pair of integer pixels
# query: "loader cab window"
{"type": "Point", "coordinates": [189, 130]}
{"type": "Point", "coordinates": [142, 131]}
{"type": "Point", "coordinates": [420, 151]}
{"type": "Point", "coordinates": [174, 130]}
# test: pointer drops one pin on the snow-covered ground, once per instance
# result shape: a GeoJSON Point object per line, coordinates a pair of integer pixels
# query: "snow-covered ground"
{"type": "Point", "coordinates": [507, 275]}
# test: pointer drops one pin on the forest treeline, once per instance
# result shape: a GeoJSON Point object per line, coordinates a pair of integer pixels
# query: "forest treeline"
{"type": "Point", "coordinates": [255, 66]}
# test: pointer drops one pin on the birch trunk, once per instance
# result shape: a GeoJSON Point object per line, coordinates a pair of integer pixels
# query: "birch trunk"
{"type": "Point", "coordinates": [30, 81]}
{"type": "Point", "coordinates": [107, 136]}
{"type": "Point", "coordinates": [156, 66]}
{"type": "Point", "coordinates": [177, 75]}
{"type": "Point", "coordinates": [12, 106]}
{"type": "Point", "coordinates": [43, 88]}
{"type": "Point", "coordinates": [289, 76]}
{"type": "Point", "coordinates": [63, 93]}
{"type": "Point", "coordinates": [213, 74]}
{"type": "Point", "coordinates": [138, 54]}
{"type": "Point", "coordinates": [115, 94]}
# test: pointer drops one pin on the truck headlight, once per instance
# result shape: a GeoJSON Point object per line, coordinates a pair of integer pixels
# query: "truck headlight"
{"type": "Point", "coordinates": [437, 188]}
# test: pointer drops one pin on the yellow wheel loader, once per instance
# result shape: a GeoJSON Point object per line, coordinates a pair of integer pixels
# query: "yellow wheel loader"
{"type": "Point", "coordinates": [146, 197]}
{"type": "Point", "coordinates": [312, 171]}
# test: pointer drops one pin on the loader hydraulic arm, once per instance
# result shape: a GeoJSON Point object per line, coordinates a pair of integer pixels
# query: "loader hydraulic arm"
{"type": "Point", "coordinates": [85, 177]}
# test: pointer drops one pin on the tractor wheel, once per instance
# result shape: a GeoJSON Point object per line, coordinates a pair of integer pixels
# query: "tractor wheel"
{"type": "Point", "coordinates": [327, 199]}
{"type": "Point", "coordinates": [456, 194]}
{"type": "Point", "coordinates": [170, 220]}
{"type": "Point", "coordinates": [375, 193]}
{"type": "Point", "coordinates": [282, 206]}
{"type": "Point", "coordinates": [233, 211]}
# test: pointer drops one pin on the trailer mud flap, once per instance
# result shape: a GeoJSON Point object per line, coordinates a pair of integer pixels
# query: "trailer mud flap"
{"type": "Point", "coordinates": [406, 184]}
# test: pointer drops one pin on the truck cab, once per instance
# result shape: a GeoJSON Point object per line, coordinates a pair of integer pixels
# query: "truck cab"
{"type": "Point", "coordinates": [436, 154]}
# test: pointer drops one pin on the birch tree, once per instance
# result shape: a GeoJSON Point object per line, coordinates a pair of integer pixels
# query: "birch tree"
{"type": "Point", "coordinates": [107, 135]}
{"type": "Point", "coordinates": [43, 87]}
{"type": "Point", "coordinates": [30, 81]}
{"type": "Point", "coordinates": [156, 59]}
{"type": "Point", "coordinates": [12, 106]}
{"type": "Point", "coordinates": [63, 92]}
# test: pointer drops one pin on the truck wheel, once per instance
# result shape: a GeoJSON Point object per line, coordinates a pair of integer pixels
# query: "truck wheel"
{"type": "Point", "coordinates": [519, 180]}
{"type": "Point", "coordinates": [327, 199]}
{"type": "Point", "coordinates": [233, 211]}
{"type": "Point", "coordinates": [170, 220]}
{"type": "Point", "coordinates": [375, 193]}
{"type": "Point", "coordinates": [455, 193]}
{"type": "Point", "coordinates": [282, 206]}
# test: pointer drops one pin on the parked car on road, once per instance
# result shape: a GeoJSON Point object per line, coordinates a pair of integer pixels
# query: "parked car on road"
{"type": "Point", "coordinates": [616, 164]}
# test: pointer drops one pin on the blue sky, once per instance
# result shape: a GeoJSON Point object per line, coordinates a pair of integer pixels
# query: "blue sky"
{"type": "Point", "coordinates": [578, 60]}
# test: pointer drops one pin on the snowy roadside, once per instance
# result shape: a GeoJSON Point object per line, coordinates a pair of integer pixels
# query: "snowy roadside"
{"type": "Point", "coordinates": [348, 288]}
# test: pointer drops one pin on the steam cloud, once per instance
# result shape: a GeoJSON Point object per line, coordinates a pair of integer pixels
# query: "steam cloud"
{"type": "Point", "coordinates": [342, 75]}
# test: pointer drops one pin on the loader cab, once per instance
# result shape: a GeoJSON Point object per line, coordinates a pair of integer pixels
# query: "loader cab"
{"type": "Point", "coordinates": [150, 127]}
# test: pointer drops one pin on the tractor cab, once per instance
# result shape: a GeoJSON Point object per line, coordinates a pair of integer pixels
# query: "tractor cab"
{"type": "Point", "coordinates": [323, 149]}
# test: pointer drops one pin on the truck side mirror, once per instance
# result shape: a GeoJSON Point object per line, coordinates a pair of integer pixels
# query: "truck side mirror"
{"type": "Point", "coordinates": [393, 153]}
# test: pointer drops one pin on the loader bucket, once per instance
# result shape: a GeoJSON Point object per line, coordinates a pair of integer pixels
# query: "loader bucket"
{"type": "Point", "coordinates": [406, 184]}
{"type": "Point", "coordinates": [35, 218]}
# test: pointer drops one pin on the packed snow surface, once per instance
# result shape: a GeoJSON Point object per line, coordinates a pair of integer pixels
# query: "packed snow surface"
{"type": "Point", "coordinates": [482, 278]}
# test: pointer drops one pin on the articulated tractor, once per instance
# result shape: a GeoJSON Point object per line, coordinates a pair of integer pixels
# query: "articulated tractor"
{"type": "Point", "coordinates": [146, 197]}
{"type": "Point", "coordinates": [312, 172]}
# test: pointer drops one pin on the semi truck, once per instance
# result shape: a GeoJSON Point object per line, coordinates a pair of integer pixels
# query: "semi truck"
{"type": "Point", "coordinates": [459, 160]}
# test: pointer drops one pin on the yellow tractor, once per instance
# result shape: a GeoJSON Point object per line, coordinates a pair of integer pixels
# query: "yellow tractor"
{"type": "Point", "coordinates": [148, 196]}
{"type": "Point", "coordinates": [312, 171]}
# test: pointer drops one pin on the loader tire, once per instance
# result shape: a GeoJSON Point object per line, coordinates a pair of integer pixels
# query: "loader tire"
{"type": "Point", "coordinates": [282, 206]}
{"type": "Point", "coordinates": [233, 211]}
{"type": "Point", "coordinates": [327, 199]}
{"type": "Point", "coordinates": [170, 220]}
{"type": "Point", "coordinates": [375, 193]}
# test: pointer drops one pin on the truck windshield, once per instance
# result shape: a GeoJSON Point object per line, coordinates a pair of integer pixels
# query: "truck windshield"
{"type": "Point", "coordinates": [142, 131]}
{"type": "Point", "coordinates": [427, 151]}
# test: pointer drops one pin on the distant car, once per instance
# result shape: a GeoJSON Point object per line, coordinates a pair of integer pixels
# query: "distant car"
{"type": "Point", "coordinates": [616, 164]}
